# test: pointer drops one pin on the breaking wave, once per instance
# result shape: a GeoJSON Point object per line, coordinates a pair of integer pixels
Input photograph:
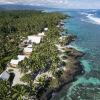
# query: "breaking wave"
{"type": "Point", "coordinates": [95, 19]}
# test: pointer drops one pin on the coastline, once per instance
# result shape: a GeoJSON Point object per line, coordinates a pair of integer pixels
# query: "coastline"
{"type": "Point", "coordinates": [53, 62]}
{"type": "Point", "coordinates": [56, 68]}
{"type": "Point", "coordinates": [47, 82]}
{"type": "Point", "coordinates": [73, 69]}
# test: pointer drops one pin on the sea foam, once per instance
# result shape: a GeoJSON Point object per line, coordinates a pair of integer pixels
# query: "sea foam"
{"type": "Point", "coordinates": [84, 13]}
{"type": "Point", "coordinates": [91, 17]}
{"type": "Point", "coordinates": [95, 19]}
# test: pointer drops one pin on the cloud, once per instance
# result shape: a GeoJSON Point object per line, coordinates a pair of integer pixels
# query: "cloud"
{"type": "Point", "coordinates": [84, 4]}
{"type": "Point", "coordinates": [87, 4]}
{"type": "Point", "coordinates": [6, 2]}
{"type": "Point", "coordinates": [47, 3]}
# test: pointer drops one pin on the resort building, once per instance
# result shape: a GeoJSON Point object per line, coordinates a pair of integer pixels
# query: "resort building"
{"type": "Point", "coordinates": [21, 57]}
{"type": "Point", "coordinates": [5, 76]}
{"type": "Point", "coordinates": [28, 51]}
{"type": "Point", "coordinates": [46, 29]}
{"type": "Point", "coordinates": [41, 34]}
{"type": "Point", "coordinates": [30, 46]}
{"type": "Point", "coordinates": [14, 63]}
{"type": "Point", "coordinates": [34, 39]}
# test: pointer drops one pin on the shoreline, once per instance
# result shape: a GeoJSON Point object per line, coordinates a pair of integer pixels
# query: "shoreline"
{"type": "Point", "coordinates": [73, 61]}
{"type": "Point", "coordinates": [74, 56]}
{"type": "Point", "coordinates": [51, 65]}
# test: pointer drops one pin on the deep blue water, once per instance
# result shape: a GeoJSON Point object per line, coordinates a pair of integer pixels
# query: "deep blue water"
{"type": "Point", "coordinates": [86, 25]}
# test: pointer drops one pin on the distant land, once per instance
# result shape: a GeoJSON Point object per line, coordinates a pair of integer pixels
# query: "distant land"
{"type": "Point", "coordinates": [21, 7]}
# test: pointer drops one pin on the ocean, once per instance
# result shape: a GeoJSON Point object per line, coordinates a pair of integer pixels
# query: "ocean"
{"type": "Point", "coordinates": [86, 25]}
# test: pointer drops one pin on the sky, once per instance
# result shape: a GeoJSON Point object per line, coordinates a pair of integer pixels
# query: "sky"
{"type": "Point", "coordinates": [83, 4]}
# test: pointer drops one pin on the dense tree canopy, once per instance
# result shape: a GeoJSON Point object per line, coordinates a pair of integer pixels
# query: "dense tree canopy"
{"type": "Point", "coordinates": [14, 25]}
{"type": "Point", "coordinates": [4, 90]}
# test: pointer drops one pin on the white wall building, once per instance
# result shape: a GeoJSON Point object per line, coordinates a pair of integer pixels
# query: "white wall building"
{"type": "Point", "coordinates": [14, 63]}
{"type": "Point", "coordinates": [34, 39]}
{"type": "Point", "coordinates": [21, 57]}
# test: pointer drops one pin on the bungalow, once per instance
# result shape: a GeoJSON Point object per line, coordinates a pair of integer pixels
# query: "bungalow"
{"type": "Point", "coordinates": [35, 39]}
{"type": "Point", "coordinates": [46, 29]}
{"type": "Point", "coordinates": [5, 76]}
{"type": "Point", "coordinates": [14, 63]}
{"type": "Point", "coordinates": [21, 57]}
{"type": "Point", "coordinates": [41, 34]}
{"type": "Point", "coordinates": [28, 51]}
{"type": "Point", "coordinates": [30, 46]}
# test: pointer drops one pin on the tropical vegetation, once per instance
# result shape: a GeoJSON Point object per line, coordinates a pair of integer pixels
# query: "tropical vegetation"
{"type": "Point", "coordinates": [15, 26]}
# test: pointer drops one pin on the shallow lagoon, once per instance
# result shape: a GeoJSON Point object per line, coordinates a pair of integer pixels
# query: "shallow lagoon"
{"type": "Point", "coordinates": [87, 86]}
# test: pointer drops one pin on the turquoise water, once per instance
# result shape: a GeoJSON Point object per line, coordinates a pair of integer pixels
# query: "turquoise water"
{"type": "Point", "coordinates": [87, 86]}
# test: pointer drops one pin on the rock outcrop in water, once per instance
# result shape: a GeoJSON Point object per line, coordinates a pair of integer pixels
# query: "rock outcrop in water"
{"type": "Point", "coordinates": [73, 68]}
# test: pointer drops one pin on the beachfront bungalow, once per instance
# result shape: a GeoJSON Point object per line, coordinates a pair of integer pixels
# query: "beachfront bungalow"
{"type": "Point", "coordinates": [45, 29]}
{"type": "Point", "coordinates": [21, 57]}
{"type": "Point", "coordinates": [14, 63]}
{"type": "Point", "coordinates": [28, 51]}
{"type": "Point", "coordinates": [34, 39]}
{"type": "Point", "coordinates": [5, 76]}
{"type": "Point", "coordinates": [41, 34]}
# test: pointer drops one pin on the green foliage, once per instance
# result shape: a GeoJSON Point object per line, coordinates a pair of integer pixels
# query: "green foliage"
{"type": "Point", "coordinates": [19, 92]}
{"type": "Point", "coordinates": [44, 57]}
{"type": "Point", "coordinates": [64, 57]}
{"type": "Point", "coordinates": [57, 74]}
{"type": "Point", "coordinates": [24, 65]}
{"type": "Point", "coordinates": [26, 78]}
{"type": "Point", "coordinates": [4, 90]}
{"type": "Point", "coordinates": [66, 40]}
{"type": "Point", "coordinates": [10, 70]}
{"type": "Point", "coordinates": [42, 80]}
{"type": "Point", "coordinates": [52, 35]}
{"type": "Point", "coordinates": [14, 25]}
{"type": "Point", "coordinates": [54, 83]}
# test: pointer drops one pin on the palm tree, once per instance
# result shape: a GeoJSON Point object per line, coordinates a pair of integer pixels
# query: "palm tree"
{"type": "Point", "coordinates": [19, 92]}
{"type": "Point", "coordinates": [34, 90]}
{"type": "Point", "coordinates": [32, 87]}
{"type": "Point", "coordinates": [42, 80]}
{"type": "Point", "coordinates": [4, 90]}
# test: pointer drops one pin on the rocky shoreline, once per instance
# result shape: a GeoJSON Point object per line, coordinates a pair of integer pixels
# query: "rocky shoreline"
{"type": "Point", "coordinates": [73, 68]}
